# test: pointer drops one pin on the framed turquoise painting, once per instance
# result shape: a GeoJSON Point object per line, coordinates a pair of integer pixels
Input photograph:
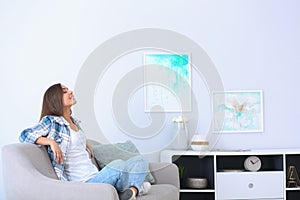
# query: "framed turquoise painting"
{"type": "Point", "coordinates": [168, 82]}
{"type": "Point", "coordinates": [238, 111]}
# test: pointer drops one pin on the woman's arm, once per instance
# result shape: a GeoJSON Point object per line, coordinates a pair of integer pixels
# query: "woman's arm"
{"type": "Point", "coordinates": [30, 135]}
{"type": "Point", "coordinates": [89, 148]}
{"type": "Point", "coordinates": [58, 155]}
{"type": "Point", "coordinates": [37, 135]}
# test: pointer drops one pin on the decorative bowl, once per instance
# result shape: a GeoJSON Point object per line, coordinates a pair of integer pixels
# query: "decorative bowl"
{"type": "Point", "coordinates": [198, 183]}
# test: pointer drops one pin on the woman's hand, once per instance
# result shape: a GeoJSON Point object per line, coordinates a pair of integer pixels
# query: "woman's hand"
{"type": "Point", "coordinates": [57, 153]}
{"type": "Point", "coordinates": [89, 148]}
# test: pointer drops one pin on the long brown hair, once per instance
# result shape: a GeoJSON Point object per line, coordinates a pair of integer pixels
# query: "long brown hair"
{"type": "Point", "coordinates": [52, 101]}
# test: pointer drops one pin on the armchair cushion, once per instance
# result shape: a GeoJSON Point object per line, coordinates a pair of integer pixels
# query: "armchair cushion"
{"type": "Point", "coordinates": [105, 153]}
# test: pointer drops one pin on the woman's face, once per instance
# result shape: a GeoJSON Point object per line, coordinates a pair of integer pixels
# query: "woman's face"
{"type": "Point", "coordinates": [68, 97]}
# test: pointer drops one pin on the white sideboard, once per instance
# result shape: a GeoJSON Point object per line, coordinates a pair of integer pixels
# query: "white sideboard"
{"type": "Point", "coordinates": [228, 179]}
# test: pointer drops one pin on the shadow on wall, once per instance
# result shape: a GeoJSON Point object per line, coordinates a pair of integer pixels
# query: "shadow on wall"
{"type": "Point", "coordinates": [2, 193]}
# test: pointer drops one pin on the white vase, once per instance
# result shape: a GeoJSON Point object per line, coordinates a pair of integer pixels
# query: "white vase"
{"type": "Point", "coordinates": [181, 138]}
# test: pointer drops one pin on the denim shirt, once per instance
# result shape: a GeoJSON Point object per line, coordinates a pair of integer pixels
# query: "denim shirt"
{"type": "Point", "coordinates": [56, 128]}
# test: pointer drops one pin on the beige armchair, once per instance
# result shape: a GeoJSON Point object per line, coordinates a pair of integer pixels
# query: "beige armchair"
{"type": "Point", "coordinates": [28, 174]}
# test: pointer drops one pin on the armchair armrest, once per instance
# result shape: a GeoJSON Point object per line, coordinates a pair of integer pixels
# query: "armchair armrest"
{"type": "Point", "coordinates": [55, 189]}
{"type": "Point", "coordinates": [28, 174]}
{"type": "Point", "coordinates": [165, 173]}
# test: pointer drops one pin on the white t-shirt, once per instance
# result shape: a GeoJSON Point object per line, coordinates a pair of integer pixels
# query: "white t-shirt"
{"type": "Point", "coordinates": [78, 165]}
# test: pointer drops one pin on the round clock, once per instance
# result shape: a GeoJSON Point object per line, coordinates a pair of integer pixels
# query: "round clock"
{"type": "Point", "coordinates": [252, 163]}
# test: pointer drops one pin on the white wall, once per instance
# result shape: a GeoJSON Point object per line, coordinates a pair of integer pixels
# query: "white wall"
{"type": "Point", "coordinates": [254, 45]}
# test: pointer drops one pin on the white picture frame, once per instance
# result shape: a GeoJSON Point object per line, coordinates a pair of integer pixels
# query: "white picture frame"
{"type": "Point", "coordinates": [237, 111]}
{"type": "Point", "coordinates": [170, 75]}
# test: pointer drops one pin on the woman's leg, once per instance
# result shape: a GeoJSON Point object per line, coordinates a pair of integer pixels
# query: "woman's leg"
{"type": "Point", "coordinates": [111, 174]}
{"type": "Point", "coordinates": [136, 169]}
{"type": "Point", "coordinates": [123, 174]}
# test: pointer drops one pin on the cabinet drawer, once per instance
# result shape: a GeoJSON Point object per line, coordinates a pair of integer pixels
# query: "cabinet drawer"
{"type": "Point", "coordinates": [250, 185]}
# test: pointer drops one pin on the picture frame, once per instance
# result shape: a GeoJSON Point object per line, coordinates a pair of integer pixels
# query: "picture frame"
{"type": "Point", "coordinates": [170, 75]}
{"type": "Point", "coordinates": [237, 111]}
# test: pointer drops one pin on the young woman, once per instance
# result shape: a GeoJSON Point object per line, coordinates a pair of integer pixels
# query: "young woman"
{"type": "Point", "coordinates": [69, 150]}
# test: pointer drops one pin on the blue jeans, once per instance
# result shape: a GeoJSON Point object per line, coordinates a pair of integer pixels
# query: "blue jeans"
{"type": "Point", "coordinates": [123, 174]}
